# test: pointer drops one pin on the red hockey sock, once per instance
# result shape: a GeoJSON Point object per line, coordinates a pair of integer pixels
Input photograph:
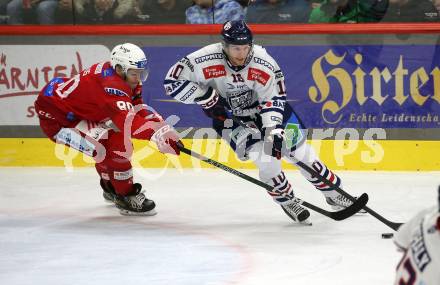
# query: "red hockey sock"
{"type": "Point", "coordinates": [122, 180]}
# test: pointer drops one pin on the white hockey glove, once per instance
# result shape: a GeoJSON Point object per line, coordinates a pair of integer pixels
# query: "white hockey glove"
{"type": "Point", "coordinates": [167, 140]}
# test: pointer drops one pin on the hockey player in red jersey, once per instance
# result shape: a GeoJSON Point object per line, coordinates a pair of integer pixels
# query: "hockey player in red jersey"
{"type": "Point", "coordinates": [97, 112]}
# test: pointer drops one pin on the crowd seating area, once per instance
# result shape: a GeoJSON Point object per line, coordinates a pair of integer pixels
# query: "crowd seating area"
{"type": "Point", "coordinates": [77, 12]}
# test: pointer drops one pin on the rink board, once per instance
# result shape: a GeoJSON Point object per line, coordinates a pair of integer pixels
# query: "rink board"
{"type": "Point", "coordinates": [397, 66]}
{"type": "Point", "coordinates": [390, 155]}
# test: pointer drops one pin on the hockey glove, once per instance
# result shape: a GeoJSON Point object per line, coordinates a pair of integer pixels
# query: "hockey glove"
{"type": "Point", "coordinates": [167, 140]}
{"type": "Point", "coordinates": [213, 106]}
{"type": "Point", "coordinates": [273, 142]}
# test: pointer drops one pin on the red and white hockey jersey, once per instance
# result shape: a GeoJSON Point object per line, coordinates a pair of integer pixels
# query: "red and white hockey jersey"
{"type": "Point", "coordinates": [96, 94]}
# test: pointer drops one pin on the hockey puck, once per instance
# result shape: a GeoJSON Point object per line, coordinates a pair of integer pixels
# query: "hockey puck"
{"type": "Point", "coordinates": [387, 235]}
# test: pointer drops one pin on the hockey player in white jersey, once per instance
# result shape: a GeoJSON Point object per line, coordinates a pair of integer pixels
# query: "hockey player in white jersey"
{"type": "Point", "coordinates": [238, 78]}
{"type": "Point", "coordinates": [420, 240]}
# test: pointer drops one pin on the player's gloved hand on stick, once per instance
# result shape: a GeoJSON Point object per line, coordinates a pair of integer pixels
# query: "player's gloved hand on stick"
{"type": "Point", "coordinates": [273, 142]}
{"type": "Point", "coordinates": [214, 107]}
{"type": "Point", "coordinates": [167, 140]}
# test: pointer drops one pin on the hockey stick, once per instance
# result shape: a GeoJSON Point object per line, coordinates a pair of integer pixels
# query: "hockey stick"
{"type": "Point", "coordinates": [338, 216]}
{"type": "Point", "coordinates": [393, 225]}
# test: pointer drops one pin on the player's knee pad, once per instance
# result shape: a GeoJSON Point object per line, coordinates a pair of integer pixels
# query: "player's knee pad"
{"type": "Point", "coordinates": [119, 148]}
{"type": "Point", "coordinates": [268, 165]}
{"type": "Point", "coordinates": [304, 153]}
{"type": "Point", "coordinates": [240, 138]}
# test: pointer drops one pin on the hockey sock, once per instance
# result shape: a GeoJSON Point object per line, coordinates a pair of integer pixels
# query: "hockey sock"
{"type": "Point", "coordinates": [122, 180]}
{"type": "Point", "coordinates": [326, 173]}
{"type": "Point", "coordinates": [282, 190]}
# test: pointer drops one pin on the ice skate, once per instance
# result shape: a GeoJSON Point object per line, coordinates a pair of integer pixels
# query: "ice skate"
{"type": "Point", "coordinates": [283, 194]}
{"type": "Point", "coordinates": [135, 203]}
{"type": "Point", "coordinates": [108, 192]}
{"type": "Point", "coordinates": [296, 212]}
{"type": "Point", "coordinates": [339, 202]}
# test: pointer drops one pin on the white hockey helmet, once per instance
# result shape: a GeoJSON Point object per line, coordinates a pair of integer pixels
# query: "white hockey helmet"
{"type": "Point", "coordinates": [129, 56]}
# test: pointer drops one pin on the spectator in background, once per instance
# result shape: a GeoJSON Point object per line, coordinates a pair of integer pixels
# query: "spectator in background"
{"type": "Point", "coordinates": [106, 11]}
{"type": "Point", "coordinates": [278, 11]}
{"type": "Point", "coordinates": [164, 11]}
{"type": "Point", "coordinates": [315, 3]}
{"type": "Point", "coordinates": [205, 12]}
{"type": "Point", "coordinates": [3, 14]}
{"type": "Point", "coordinates": [348, 11]}
{"type": "Point", "coordinates": [245, 3]}
{"type": "Point", "coordinates": [64, 12]}
{"type": "Point", "coordinates": [411, 11]}
{"type": "Point", "coordinates": [21, 12]}
{"type": "Point", "coordinates": [436, 4]}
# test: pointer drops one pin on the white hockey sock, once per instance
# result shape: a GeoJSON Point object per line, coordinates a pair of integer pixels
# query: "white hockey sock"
{"type": "Point", "coordinates": [320, 168]}
{"type": "Point", "coordinates": [270, 172]}
{"type": "Point", "coordinates": [307, 155]}
{"type": "Point", "coordinates": [282, 190]}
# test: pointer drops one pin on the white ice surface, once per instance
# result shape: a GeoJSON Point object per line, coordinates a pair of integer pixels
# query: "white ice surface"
{"type": "Point", "coordinates": [211, 228]}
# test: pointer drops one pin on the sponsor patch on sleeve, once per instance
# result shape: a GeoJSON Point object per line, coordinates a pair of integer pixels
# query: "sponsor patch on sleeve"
{"type": "Point", "coordinates": [214, 71]}
{"type": "Point", "coordinates": [258, 75]}
{"type": "Point", "coordinates": [115, 91]}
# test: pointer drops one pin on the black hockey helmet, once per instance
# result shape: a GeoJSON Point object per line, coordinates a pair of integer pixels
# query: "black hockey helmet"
{"type": "Point", "coordinates": [237, 33]}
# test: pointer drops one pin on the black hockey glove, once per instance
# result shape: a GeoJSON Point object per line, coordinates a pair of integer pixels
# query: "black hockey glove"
{"type": "Point", "coordinates": [217, 112]}
{"type": "Point", "coordinates": [273, 142]}
{"type": "Point", "coordinates": [215, 108]}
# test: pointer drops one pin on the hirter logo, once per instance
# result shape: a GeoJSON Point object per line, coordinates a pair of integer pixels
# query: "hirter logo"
{"type": "Point", "coordinates": [214, 71]}
{"type": "Point", "coordinates": [258, 75]}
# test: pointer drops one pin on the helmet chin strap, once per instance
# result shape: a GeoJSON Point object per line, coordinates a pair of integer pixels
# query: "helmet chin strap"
{"type": "Point", "coordinates": [123, 75]}
{"type": "Point", "coordinates": [236, 68]}
{"type": "Point", "coordinates": [120, 71]}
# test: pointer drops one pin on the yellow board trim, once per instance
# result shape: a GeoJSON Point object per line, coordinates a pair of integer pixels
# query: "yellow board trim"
{"type": "Point", "coordinates": [387, 155]}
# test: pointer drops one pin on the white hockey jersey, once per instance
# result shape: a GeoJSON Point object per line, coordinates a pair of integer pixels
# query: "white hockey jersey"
{"type": "Point", "coordinates": [420, 239]}
{"type": "Point", "coordinates": [257, 88]}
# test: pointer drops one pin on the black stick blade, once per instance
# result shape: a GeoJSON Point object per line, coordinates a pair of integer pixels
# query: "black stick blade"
{"type": "Point", "coordinates": [394, 226]}
{"type": "Point", "coordinates": [352, 209]}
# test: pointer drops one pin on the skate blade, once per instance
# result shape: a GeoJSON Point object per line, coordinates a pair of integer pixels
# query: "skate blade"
{"type": "Point", "coordinates": [306, 222]}
{"type": "Point", "coordinates": [130, 213]}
